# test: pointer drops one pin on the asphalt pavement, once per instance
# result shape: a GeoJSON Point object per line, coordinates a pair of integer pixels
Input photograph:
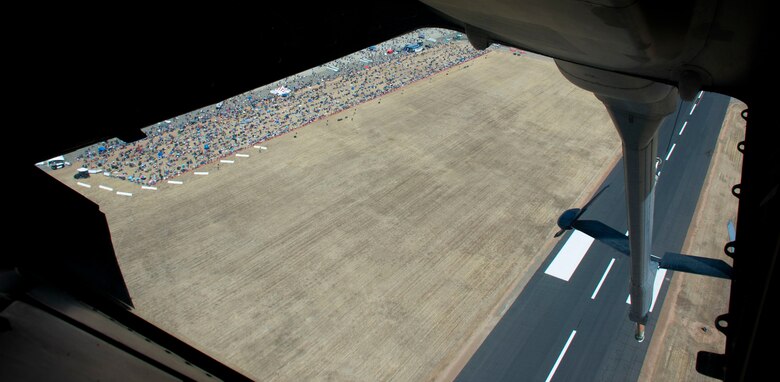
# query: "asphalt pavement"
{"type": "Point", "coordinates": [578, 330]}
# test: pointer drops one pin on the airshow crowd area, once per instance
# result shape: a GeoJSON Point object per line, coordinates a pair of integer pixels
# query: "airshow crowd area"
{"type": "Point", "coordinates": [175, 147]}
{"type": "Point", "coordinates": [381, 242]}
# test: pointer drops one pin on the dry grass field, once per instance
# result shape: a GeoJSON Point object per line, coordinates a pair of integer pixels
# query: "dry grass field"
{"type": "Point", "coordinates": [686, 324]}
{"type": "Point", "coordinates": [371, 248]}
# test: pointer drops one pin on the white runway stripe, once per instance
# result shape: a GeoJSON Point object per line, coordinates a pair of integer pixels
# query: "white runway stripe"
{"type": "Point", "coordinates": [568, 258]}
{"type": "Point", "coordinates": [604, 277]}
{"type": "Point", "coordinates": [670, 151]}
{"type": "Point", "coordinates": [560, 356]}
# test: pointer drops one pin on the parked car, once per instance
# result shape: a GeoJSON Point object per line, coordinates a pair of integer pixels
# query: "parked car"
{"type": "Point", "coordinates": [81, 173]}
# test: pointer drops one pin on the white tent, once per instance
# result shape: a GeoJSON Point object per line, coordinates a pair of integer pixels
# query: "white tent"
{"type": "Point", "coordinates": [58, 161]}
{"type": "Point", "coordinates": [281, 91]}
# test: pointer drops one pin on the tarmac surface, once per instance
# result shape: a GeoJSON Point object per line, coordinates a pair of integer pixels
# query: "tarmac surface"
{"type": "Point", "coordinates": [555, 330]}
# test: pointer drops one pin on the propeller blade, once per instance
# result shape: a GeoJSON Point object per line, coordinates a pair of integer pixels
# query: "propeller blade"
{"type": "Point", "coordinates": [585, 207]}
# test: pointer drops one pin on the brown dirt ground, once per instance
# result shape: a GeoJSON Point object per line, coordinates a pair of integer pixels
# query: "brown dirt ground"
{"type": "Point", "coordinates": [693, 302]}
{"type": "Point", "coordinates": [379, 247]}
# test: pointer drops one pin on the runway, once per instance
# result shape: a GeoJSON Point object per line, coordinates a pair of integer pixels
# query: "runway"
{"type": "Point", "coordinates": [576, 328]}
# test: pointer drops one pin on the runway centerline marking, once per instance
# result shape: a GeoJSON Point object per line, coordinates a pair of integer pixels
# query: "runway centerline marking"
{"type": "Point", "coordinates": [683, 128]}
{"type": "Point", "coordinates": [670, 151]}
{"type": "Point", "coordinates": [659, 280]}
{"type": "Point", "coordinates": [560, 356]}
{"type": "Point", "coordinates": [83, 185]}
{"type": "Point", "coordinates": [105, 188]}
{"type": "Point", "coordinates": [569, 257]}
{"type": "Point", "coordinates": [604, 277]}
{"type": "Point", "coordinates": [693, 108]}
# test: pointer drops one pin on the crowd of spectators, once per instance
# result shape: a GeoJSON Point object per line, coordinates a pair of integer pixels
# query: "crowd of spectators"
{"type": "Point", "coordinates": [174, 147]}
